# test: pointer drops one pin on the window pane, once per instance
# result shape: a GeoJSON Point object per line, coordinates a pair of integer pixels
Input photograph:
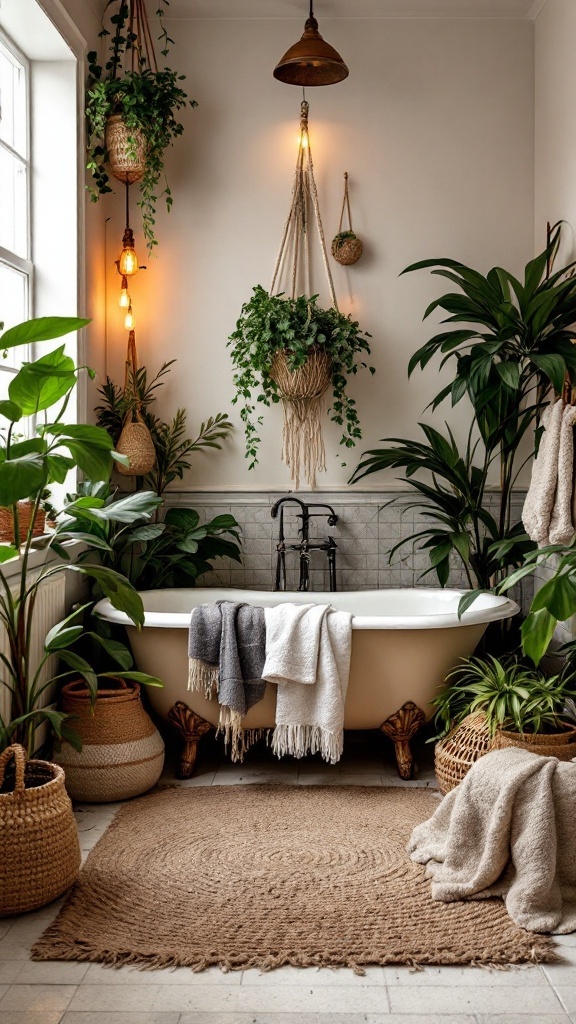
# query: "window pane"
{"type": "Point", "coordinates": [13, 204]}
{"type": "Point", "coordinates": [12, 102]}
{"type": "Point", "coordinates": [13, 309]}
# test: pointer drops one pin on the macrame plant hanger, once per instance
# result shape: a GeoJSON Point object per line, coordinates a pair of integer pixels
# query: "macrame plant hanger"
{"type": "Point", "coordinates": [135, 441]}
{"type": "Point", "coordinates": [302, 390]}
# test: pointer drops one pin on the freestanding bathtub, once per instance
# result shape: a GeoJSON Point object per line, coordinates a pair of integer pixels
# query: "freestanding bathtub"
{"type": "Point", "coordinates": [404, 642]}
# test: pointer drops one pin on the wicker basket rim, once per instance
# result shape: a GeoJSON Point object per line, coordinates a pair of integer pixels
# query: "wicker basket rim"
{"type": "Point", "coordinates": [542, 738]}
{"type": "Point", "coordinates": [35, 792]}
{"type": "Point", "coordinates": [83, 695]}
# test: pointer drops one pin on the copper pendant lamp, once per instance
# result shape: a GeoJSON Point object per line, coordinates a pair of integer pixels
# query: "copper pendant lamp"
{"type": "Point", "coordinates": [311, 61]}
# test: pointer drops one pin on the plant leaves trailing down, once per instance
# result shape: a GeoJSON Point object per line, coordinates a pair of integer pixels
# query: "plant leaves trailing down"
{"type": "Point", "coordinates": [27, 468]}
{"type": "Point", "coordinates": [518, 343]}
{"type": "Point", "coordinates": [148, 100]}
{"type": "Point", "coordinates": [271, 322]}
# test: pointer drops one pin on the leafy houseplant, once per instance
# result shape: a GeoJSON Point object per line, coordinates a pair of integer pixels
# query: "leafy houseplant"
{"type": "Point", "coordinates": [172, 447]}
{"type": "Point", "coordinates": [147, 98]}
{"type": "Point", "coordinates": [513, 698]}
{"type": "Point", "coordinates": [272, 323]}
{"type": "Point", "coordinates": [515, 345]}
{"type": "Point", "coordinates": [26, 469]}
{"type": "Point", "coordinates": [172, 553]}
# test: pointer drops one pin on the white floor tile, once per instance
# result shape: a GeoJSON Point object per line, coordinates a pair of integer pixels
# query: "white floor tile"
{"type": "Point", "coordinates": [98, 974]}
{"type": "Point", "coordinates": [307, 998]}
{"type": "Point", "coordinates": [197, 997]}
{"type": "Point", "coordinates": [567, 994]}
{"type": "Point", "coordinates": [249, 1018]}
{"type": "Point", "coordinates": [314, 977]}
{"type": "Point", "coordinates": [471, 977]}
{"type": "Point", "coordinates": [51, 972]}
{"type": "Point", "coordinates": [527, 1000]}
{"type": "Point", "coordinates": [9, 970]}
{"type": "Point", "coordinates": [37, 998]}
{"type": "Point", "coordinates": [137, 997]}
{"type": "Point", "coordinates": [30, 1016]}
{"type": "Point", "coordinates": [127, 1017]}
{"type": "Point", "coordinates": [521, 1018]}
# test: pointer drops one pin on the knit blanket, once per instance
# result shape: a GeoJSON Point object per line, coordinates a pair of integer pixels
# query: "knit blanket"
{"type": "Point", "coordinates": [508, 830]}
{"type": "Point", "coordinates": [226, 651]}
{"type": "Point", "coordinates": [308, 648]}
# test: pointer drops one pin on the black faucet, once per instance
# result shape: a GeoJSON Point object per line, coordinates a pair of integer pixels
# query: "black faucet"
{"type": "Point", "coordinates": [305, 546]}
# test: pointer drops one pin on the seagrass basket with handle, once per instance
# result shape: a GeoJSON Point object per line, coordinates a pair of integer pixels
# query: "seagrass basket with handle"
{"type": "Point", "coordinates": [38, 839]}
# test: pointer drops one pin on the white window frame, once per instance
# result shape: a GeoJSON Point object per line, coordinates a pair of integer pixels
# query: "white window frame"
{"type": "Point", "coordinates": [11, 259]}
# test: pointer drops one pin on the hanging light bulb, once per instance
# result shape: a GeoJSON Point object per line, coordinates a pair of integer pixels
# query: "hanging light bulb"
{"type": "Point", "coordinates": [129, 320]}
{"type": "Point", "coordinates": [124, 300]}
{"type": "Point", "coordinates": [128, 262]}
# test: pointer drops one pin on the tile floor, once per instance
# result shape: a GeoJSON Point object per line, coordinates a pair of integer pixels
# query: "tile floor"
{"type": "Point", "coordinates": [69, 993]}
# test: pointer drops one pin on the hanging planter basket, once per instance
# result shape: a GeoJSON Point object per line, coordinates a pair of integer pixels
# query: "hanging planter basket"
{"type": "Point", "coordinates": [346, 246]}
{"type": "Point", "coordinates": [135, 441]}
{"type": "Point", "coordinates": [309, 381]}
{"type": "Point", "coordinates": [127, 148]}
{"type": "Point", "coordinates": [40, 852]}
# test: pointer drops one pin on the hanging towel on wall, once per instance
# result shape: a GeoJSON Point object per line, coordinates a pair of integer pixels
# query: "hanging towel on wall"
{"type": "Point", "coordinates": [539, 503]}
{"type": "Point", "coordinates": [562, 522]}
{"type": "Point", "coordinates": [226, 650]}
{"type": "Point", "coordinates": [507, 830]}
{"type": "Point", "coordinates": [308, 650]}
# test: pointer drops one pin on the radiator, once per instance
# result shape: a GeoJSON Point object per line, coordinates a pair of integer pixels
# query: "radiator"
{"type": "Point", "coordinates": [50, 608]}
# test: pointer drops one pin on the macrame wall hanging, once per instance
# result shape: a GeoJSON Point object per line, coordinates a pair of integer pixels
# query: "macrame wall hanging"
{"type": "Point", "coordinates": [135, 440]}
{"type": "Point", "coordinates": [346, 246]}
{"type": "Point", "coordinates": [302, 390]}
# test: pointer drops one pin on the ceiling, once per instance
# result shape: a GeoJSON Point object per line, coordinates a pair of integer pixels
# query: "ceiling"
{"type": "Point", "coordinates": [355, 9]}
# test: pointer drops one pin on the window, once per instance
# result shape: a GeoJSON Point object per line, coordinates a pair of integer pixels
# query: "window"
{"type": "Point", "coordinates": [15, 264]}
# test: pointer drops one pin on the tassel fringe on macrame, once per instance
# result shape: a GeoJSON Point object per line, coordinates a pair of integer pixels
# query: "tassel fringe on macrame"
{"type": "Point", "coordinates": [300, 740]}
{"type": "Point", "coordinates": [302, 440]}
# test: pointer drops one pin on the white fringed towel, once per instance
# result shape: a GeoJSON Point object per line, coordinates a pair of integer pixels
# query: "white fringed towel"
{"type": "Point", "coordinates": [562, 523]}
{"type": "Point", "coordinates": [539, 503]}
{"type": "Point", "coordinates": [508, 830]}
{"type": "Point", "coordinates": [308, 650]}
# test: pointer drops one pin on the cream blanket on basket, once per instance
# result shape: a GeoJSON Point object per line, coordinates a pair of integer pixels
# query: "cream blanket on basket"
{"type": "Point", "coordinates": [308, 649]}
{"type": "Point", "coordinates": [509, 830]}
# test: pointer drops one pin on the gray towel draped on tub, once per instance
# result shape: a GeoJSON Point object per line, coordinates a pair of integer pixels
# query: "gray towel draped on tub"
{"type": "Point", "coordinates": [227, 649]}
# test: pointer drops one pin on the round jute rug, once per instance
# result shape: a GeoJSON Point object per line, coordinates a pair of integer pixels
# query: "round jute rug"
{"type": "Point", "coordinates": [260, 876]}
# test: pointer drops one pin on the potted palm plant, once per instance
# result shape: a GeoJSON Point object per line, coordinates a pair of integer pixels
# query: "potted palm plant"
{"type": "Point", "coordinates": [132, 108]}
{"type": "Point", "coordinates": [27, 468]}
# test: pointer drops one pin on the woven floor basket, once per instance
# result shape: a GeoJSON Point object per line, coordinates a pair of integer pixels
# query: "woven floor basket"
{"type": "Point", "coordinates": [25, 509]}
{"type": "Point", "coordinates": [346, 250]}
{"type": "Point", "coordinates": [127, 160]}
{"type": "Point", "coordinates": [136, 442]}
{"type": "Point", "coordinates": [122, 751]}
{"type": "Point", "coordinates": [457, 752]}
{"type": "Point", "coordinates": [310, 381]}
{"type": "Point", "coordinates": [40, 855]}
{"type": "Point", "coordinates": [561, 745]}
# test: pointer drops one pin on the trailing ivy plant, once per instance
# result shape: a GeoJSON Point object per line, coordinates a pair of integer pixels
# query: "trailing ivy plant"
{"type": "Point", "coordinates": [149, 101]}
{"type": "Point", "coordinates": [173, 448]}
{"type": "Point", "coordinates": [269, 323]}
{"type": "Point", "coordinates": [516, 346]}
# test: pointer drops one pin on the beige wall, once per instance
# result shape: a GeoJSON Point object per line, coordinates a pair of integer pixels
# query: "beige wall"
{"type": "Point", "coordinates": [434, 125]}
{"type": "Point", "coordinates": [555, 141]}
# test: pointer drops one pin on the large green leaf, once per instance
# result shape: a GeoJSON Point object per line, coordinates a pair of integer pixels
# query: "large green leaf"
{"type": "Point", "coordinates": [186, 518]}
{"type": "Point", "coordinates": [21, 478]}
{"type": "Point", "coordinates": [537, 632]}
{"type": "Point", "coordinates": [558, 596]}
{"type": "Point", "coordinates": [135, 506]}
{"type": "Point", "coordinates": [43, 328]}
{"type": "Point", "coordinates": [116, 587]}
{"type": "Point", "coordinates": [41, 384]}
{"type": "Point", "coordinates": [119, 652]}
{"type": "Point", "coordinates": [90, 447]}
{"type": "Point", "coordinates": [8, 551]}
{"type": "Point", "coordinates": [135, 677]}
{"type": "Point", "coordinates": [10, 411]}
{"type": "Point", "coordinates": [83, 667]}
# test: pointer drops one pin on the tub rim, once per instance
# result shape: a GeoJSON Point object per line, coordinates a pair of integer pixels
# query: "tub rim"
{"type": "Point", "coordinates": [500, 608]}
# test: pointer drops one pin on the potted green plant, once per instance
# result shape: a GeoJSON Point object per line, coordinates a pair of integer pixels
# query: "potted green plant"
{"type": "Point", "coordinates": [141, 100]}
{"type": "Point", "coordinates": [275, 340]}
{"type": "Point", "coordinates": [27, 468]}
{"type": "Point", "coordinates": [522, 707]}
{"type": "Point", "coordinates": [509, 341]}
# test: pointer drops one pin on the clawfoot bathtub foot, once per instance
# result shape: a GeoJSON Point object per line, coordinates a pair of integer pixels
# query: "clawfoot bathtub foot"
{"type": "Point", "coordinates": [400, 728]}
{"type": "Point", "coordinates": [192, 727]}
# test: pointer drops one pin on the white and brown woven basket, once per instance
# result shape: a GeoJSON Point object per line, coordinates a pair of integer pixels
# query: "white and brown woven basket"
{"type": "Point", "coordinates": [457, 752]}
{"type": "Point", "coordinates": [38, 839]}
{"type": "Point", "coordinates": [309, 381]}
{"type": "Point", "coordinates": [25, 510]}
{"type": "Point", "coordinates": [126, 148]}
{"type": "Point", "coordinates": [122, 751]}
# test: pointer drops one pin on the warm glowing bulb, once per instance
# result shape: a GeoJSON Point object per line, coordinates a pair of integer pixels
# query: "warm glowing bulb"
{"type": "Point", "coordinates": [128, 263]}
{"type": "Point", "coordinates": [304, 140]}
{"type": "Point", "coordinates": [129, 319]}
{"type": "Point", "coordinates": [124, 300]}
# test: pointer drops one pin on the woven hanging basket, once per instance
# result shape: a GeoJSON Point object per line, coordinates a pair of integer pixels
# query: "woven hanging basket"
{"type": "Point", "coordinates": [561, 745]}
{"type": "Point", "coordinates": [309, 381]}
{"type": "Point", "coordinates": [25, 510]}
{"type": "Point", "coordinates": [457, 752]}
{"type": "Point", "coordinates": [136, 442]}
{"type": "Point", "coordinates": [346, 248]}
{"type": "Point", "coordinates": [122, 751]}
{"type": "Point", "coordinates": [40, 852]}
{"type": "Point", "coordinates": [126, 149]}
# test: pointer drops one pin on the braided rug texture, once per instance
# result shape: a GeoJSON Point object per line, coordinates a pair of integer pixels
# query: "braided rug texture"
{"type": "Point", "coordinates": [260, 876]}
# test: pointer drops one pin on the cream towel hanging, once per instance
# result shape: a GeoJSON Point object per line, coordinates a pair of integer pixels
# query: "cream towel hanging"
{"type": "Point", "coordinates": [539, 503]}
{"type": "Point", "coordinates": [562, 523]}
